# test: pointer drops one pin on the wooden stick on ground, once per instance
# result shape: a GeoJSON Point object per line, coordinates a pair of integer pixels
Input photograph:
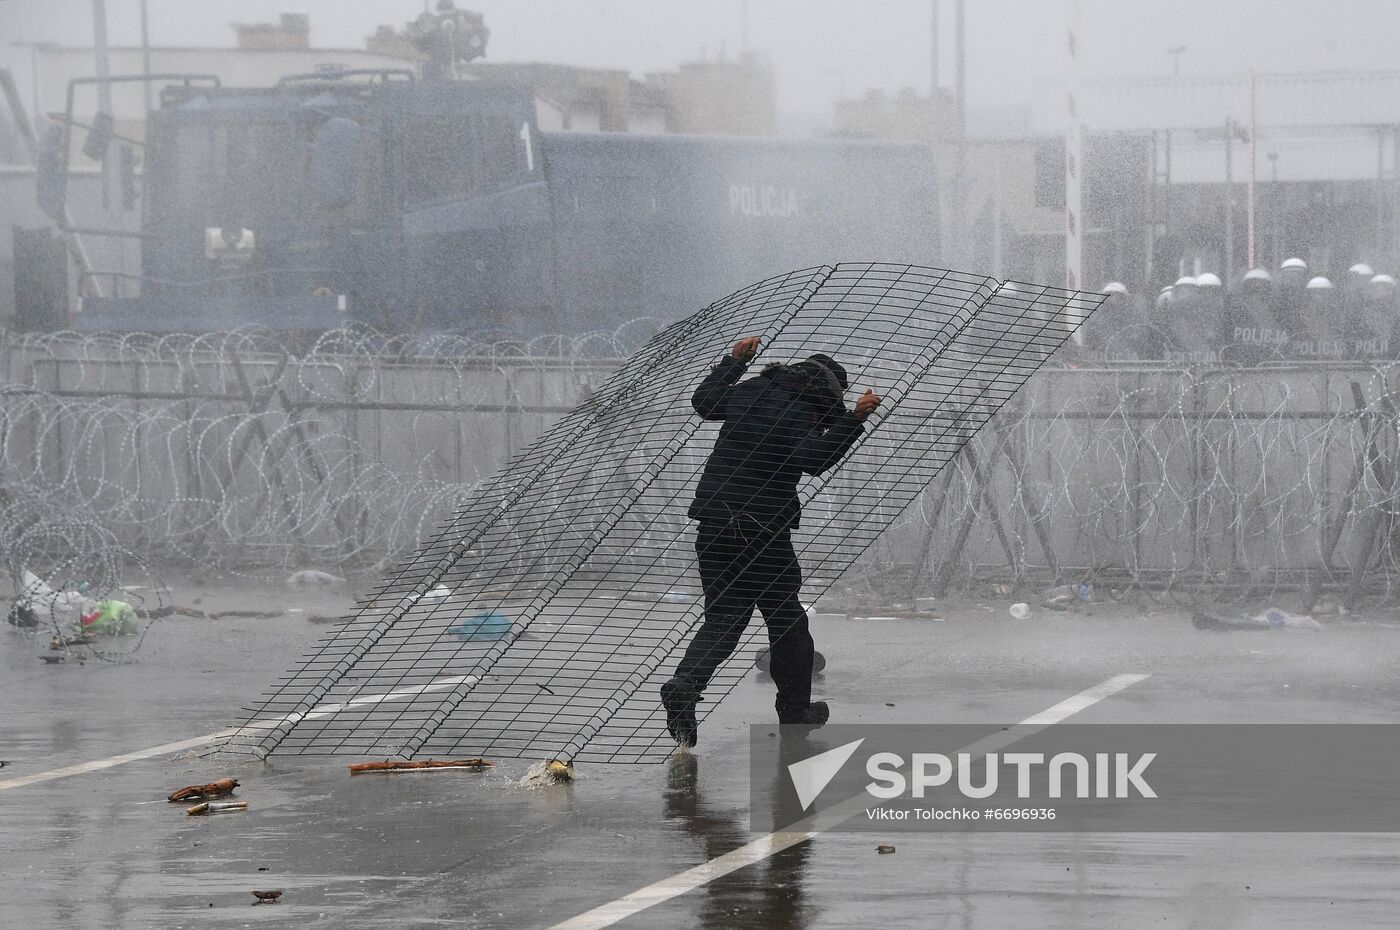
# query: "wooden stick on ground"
{"type": "Point", "coordinates": [387, 766]}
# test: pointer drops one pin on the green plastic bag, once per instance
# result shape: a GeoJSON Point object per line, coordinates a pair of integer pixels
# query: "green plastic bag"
{"type": "Point", "coordinates": [112, 618]}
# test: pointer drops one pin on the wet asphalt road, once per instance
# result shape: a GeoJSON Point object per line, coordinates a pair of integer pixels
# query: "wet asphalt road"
{"type": "Point", "coordinates": [103, 849]}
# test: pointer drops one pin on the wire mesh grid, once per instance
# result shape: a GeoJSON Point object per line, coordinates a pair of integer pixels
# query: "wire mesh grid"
{"type": "Point", "coordinates": [542, 617]}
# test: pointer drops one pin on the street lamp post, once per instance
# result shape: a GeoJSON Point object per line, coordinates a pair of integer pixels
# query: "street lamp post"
{"type": "Point", "coordinates": [1278, 206]}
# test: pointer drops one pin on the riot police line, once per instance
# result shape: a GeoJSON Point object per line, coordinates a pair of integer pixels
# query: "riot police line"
{"type": "Point", "coordinates": [1287, 315]}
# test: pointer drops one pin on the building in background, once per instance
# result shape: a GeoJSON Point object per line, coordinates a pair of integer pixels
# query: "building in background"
{"type": "Point", "coordinates": [582, 99]}
{"type": "Point", "coordinates": [291, 32]}
{"type": "Point", "coordinates": [1010, 213]}
{"type": "Point", "coordinates": [1166, 175]}
{"type": "Point", "coordinates": [722, 97]}
{"type": "Point", "coordinates": [906, 116]}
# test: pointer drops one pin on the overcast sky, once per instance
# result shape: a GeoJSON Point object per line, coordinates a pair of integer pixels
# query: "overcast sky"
{"type": "Point", "coordinates": [819, 48]}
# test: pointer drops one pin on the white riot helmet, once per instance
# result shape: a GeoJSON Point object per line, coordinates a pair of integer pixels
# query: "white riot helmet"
{"type": "Point", "coordinates": [1257, 282]}
{"type": "Point", "coordinates": [1381, 287]}
{"type": "Point", "coordinates": [1293, 273]}
{"type": "Point", "coordinates": [1206, 279]}
{"type": "Point", "coordinates": [1319, 283]}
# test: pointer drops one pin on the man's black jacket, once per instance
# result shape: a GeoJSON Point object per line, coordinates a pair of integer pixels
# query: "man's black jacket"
{"type": "Point", "coordinates": [777, 427]}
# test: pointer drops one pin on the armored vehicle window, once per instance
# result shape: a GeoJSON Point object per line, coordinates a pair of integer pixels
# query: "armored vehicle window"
{"type": "Point", "coordinates": [437, 158]}
{"type": "Point", "coordinates": [230, 170]}
{"type": "Point", "coordinates": [193, 162]}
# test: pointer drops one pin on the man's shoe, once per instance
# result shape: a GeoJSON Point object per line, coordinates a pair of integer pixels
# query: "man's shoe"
{"type": "Point", "coordinates": [813, 715]}
{"type": "Point", "coordinates": [679, 699]}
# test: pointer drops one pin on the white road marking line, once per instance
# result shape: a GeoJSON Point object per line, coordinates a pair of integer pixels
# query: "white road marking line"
{"type": "Point", "coordinates": [770, 844]}
{"type": "Point", "coordinates": [1071, 706]}
{"type": "Point", "coordinates": [83, 768]}
{"type": "Point", "coordinates": [437, 684]}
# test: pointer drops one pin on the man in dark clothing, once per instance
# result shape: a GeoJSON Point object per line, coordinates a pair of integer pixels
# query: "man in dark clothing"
{"type": "Point", "coordinates": [787, 422]}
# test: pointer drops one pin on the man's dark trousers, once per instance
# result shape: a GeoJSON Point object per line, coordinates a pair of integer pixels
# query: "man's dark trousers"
{"type": "Point", "coordinates": [742, 566]}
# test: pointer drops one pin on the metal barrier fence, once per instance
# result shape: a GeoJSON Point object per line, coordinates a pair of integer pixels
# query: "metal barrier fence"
{"type": "Point", "coordinates": [1237, 481]}
{"type": "Point", "coordinates": [231, 450]}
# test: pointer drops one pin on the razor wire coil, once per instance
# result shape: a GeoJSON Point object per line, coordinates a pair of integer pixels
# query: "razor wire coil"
{"type": "Point", "coordinates": [1197, 473]}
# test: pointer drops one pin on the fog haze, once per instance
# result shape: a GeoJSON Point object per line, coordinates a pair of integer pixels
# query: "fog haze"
{"type": "Point", "coordinates": [820, 49]}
